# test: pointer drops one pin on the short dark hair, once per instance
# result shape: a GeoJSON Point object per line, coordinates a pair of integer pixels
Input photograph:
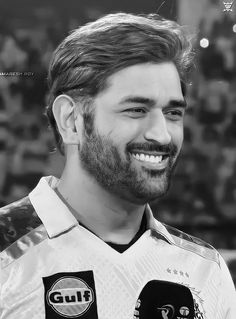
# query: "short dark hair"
{"type": "Point", "coordinates": [85, 59]}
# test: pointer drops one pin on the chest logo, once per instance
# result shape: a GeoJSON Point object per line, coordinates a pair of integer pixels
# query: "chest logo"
{"type": "Point", "coordinates": [164, 300]}
{"type": "Point", "coordinates": [69, 296]}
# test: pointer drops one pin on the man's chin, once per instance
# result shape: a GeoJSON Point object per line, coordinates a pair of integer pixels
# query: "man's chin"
{"type": "Point", "coordinates": [149, 194]}
{"type": "Point", "coordinates": [155, 174]}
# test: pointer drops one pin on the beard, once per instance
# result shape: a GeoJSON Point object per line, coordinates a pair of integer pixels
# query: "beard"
{"type": "Point", "coordinates": [117, 173]}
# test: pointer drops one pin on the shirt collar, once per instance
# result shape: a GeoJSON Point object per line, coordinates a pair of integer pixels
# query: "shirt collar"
{"type": "Point", "coordinates": [54, 214]}
{"type": "Point", "coordinates": [158, 229]}
{"type": "Point", "coordinates": [57, 218]}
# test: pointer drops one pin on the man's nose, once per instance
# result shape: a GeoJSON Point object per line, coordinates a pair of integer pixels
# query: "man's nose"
{"type": "Point", "coordinates": [157, 129]}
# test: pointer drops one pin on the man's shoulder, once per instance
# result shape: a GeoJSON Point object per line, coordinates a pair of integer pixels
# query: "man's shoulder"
{"type": "Point", "coordinates": [193, 244]}
{"type": "Point", "coordinates": [16, 220]}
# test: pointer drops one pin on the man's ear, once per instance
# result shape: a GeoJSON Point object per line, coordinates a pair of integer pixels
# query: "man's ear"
{"type": "Point", "coordinates": [64, 111]}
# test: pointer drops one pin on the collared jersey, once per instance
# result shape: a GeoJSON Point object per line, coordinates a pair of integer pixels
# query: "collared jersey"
{"type": "Point", "coordinates": [52, 267]}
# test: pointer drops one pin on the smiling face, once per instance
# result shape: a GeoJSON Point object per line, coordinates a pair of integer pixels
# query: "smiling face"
{"type": "Point", "coordinates": [137, 132]}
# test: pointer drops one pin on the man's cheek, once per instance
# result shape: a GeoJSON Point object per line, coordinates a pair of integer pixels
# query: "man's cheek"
{"type": "Point", "coordinates": [177, 140]}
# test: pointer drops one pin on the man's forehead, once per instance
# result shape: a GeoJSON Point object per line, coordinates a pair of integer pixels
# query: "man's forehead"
{"type": "Point", "coordinates": [145, 75]}
{"type": "Point", "coordinates": [148, 81]}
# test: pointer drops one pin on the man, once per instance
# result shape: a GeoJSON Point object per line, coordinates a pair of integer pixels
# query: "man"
{"type": "Point", "coordinates": [90, 246]}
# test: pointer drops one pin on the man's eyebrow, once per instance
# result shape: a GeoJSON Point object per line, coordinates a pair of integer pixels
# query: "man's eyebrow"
{"type": "Point", "coordinates": [177, 103]}
{"type": "Point", "coordinates": [151, 102]}
{"type": "Point", "coordinates": [138, 100]}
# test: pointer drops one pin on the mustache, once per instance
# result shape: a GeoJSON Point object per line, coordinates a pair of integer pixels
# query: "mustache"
{"type": "Point", "coordinates": [170, 148]}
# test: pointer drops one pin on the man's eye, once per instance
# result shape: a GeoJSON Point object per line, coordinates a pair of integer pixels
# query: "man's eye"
{"type": "Point", "coordinates": [137, 110]}
{"type": "Point", "coordinates": [175, 114]}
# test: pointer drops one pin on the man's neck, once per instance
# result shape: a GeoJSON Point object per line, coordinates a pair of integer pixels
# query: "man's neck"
{"type": "Point", "coordinates": [111, 218]}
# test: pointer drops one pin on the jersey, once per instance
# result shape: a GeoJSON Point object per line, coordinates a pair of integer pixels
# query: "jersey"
{"type": "Point", "coordinates": [52, 267]}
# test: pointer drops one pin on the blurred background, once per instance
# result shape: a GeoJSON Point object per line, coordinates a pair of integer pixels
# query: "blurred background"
{"type": "Point", "coordinates": [202, 198]}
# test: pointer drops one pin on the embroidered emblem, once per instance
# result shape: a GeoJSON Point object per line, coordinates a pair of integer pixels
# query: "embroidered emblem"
{"type": "Point", "coordinates": [164, 300]}
{"type": "Point", "coordinates": [70, 295]}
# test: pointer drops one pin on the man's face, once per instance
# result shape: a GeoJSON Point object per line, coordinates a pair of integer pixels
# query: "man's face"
{"type": "Point", "coordinates": [137, 132]}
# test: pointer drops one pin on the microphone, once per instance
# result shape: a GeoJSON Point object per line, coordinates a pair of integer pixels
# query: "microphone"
{"type": "Point", "coordinates": [164, 300]}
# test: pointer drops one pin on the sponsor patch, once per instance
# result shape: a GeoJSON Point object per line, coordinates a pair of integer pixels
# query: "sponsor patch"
{"type": "Point", "coordinates": [70, 295]}
{"type": "Point", "coordinates": [164, 300]}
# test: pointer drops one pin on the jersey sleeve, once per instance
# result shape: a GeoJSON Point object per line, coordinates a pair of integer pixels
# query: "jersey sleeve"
{"type": "Point", "coordinates": [228, 291]}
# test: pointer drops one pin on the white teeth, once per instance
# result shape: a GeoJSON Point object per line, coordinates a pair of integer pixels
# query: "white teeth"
{"type": "Point", "coordinates": [142, 157]}
{"type": "Point", "coordinates": [148, 158]}
{"type": "Point", "coordinates": [152, 159]}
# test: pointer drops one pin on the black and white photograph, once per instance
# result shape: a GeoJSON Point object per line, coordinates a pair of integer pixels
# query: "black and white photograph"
{"type": "Point", "coordinates": [117, 159]}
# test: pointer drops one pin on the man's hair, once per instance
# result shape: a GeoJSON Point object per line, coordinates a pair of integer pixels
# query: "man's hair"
{"type": "Point", "coordinates": [85, 59]}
